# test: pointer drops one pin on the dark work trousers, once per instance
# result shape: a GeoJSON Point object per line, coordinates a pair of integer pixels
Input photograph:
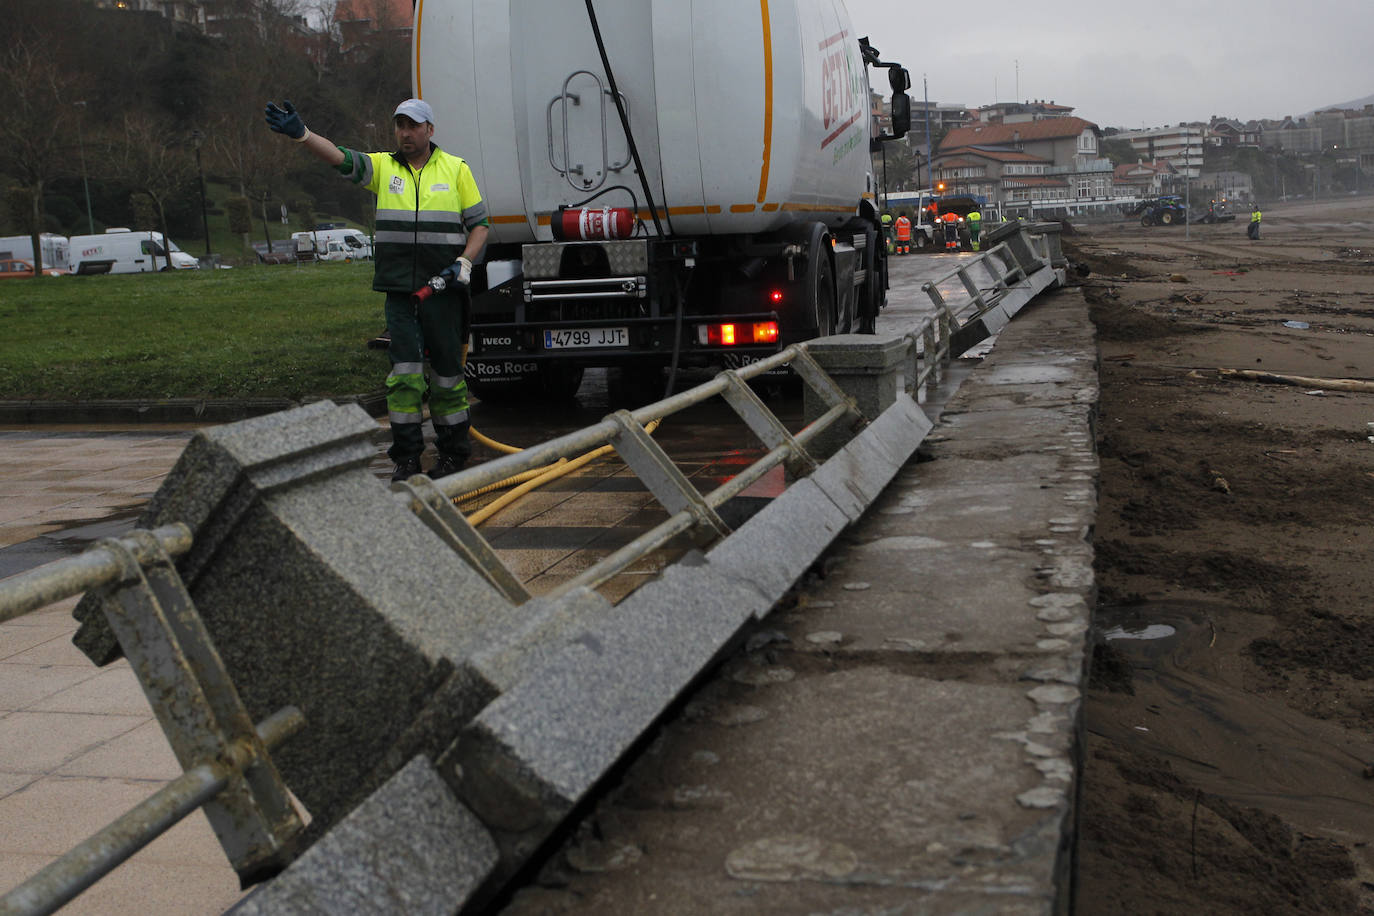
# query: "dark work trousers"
{"type": "Point", "coordinates": [434, 331]}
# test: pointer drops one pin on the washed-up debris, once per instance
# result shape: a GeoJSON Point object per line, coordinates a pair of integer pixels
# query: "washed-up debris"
{"type": "Point", "coordinates": [1296, 325]}
{"type": "Point", "coordinates": [1302, 381]}
{"type": "Point", "coordinates": [1177, 278]}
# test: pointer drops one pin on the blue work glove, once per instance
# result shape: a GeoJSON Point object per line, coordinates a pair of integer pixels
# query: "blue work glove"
{"type": "Point", "coordinates": [459, 271]}
{"type": "Point", "coordinates": [286, 121]}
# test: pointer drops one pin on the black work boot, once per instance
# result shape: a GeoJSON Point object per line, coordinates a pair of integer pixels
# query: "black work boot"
{"type": "Point", "coordinates": [406, 468]}
{"type": "Point", "coordinates": [446, 465]}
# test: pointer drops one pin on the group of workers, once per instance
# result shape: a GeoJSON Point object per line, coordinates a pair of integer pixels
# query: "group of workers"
{"type": "Point", "coordinates": [898, 230]}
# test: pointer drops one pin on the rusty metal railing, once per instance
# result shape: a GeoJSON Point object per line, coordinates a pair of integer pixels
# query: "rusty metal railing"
{"type": "Point", "coordinates": [227, 768]}
{"type": "Point", "coordinates": [690, 512]}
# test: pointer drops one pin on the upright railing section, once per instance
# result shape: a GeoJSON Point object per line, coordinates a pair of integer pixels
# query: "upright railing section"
{"type": "Point", "coordinates": [228, 770]}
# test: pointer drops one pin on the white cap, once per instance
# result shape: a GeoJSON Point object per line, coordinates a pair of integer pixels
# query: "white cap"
{"type": "Point", "coordinates": [417, 110]}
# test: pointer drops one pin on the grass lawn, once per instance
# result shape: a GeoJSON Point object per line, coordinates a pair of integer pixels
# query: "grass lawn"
{"type": "Point", "coordinates": [256, 331]}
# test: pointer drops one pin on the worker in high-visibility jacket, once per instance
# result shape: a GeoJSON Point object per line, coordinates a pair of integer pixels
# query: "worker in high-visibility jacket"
{"type": "Point", "coordinates": [1252, 231]}
{"type": "Point", "coordinates": [975, 226]}
{"type": "Point", "coordinates": [889, 240]}
{"type": "Point", "coordinates": [951, 221]}
{"type": "Point", "coordinates": [903, 226]}
{"type": "Point", "coordinates": [431, 225]}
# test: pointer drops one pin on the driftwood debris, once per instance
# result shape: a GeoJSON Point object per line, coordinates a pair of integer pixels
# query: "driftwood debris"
{"type": "Point", "coordinates": [1301, 381]}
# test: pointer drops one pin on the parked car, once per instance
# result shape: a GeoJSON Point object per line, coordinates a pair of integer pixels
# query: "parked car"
{"type": "Point", "coordinates": [332, 245]}
{"type": "Point", "coordinates": [18, 267]}
{"type": "Point", "coordinates": [281, 252]}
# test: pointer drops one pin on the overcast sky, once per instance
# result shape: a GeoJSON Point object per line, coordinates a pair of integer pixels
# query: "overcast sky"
{"type": "Point", "coordinates": [1132, 64]}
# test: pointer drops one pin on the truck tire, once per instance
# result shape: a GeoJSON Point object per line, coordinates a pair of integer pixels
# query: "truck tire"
{"type": "Point", "coordinates": [919, 240]}
{"type": "Point", "coordinates": [1166, 218]}
{"type": "Point", "coordinates": [870, 295]}
{"type": "Point", "coordinates": [820, 282]}
{"type": "Point", "coordinates": [1147, 221]}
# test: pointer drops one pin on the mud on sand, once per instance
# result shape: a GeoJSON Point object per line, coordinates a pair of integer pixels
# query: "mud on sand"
{"type": "Point", "coordinates": [1229, 755]}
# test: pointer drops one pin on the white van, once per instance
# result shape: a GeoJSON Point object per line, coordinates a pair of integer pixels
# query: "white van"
{"type": "Point", "coordinates": [54, 249]}
{"type": "Point", "coordinates": [332, 244]}
{"type": "Point", "coordinates": [126, 252]}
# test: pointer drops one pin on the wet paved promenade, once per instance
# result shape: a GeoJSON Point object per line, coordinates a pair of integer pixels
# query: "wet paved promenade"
{"type": "Point", "coordinates": [78, 744]}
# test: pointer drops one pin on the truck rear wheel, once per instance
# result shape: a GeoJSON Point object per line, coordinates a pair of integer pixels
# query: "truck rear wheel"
{"type": "Point", "coordinates": [870, 294]}
{"type": "Point", "coordinates": [820, 282]}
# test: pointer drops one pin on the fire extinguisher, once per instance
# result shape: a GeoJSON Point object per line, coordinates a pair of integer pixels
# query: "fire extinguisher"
{"type": "Point", "coordinates": [436, 284]}
{"type": "Point", "coordinates": [581, 225]}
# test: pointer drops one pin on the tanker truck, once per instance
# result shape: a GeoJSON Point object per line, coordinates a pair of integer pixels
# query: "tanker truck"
{"type": "Point", "coordinates": [670, 183]}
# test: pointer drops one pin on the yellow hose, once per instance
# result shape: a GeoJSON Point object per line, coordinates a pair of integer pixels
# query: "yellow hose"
{"type": "Point", "coordinates": [502, 484]}
{"type": "Point", "coordinates": [493, 444]}
{"type": "Point", "coordinates": [558, 469]}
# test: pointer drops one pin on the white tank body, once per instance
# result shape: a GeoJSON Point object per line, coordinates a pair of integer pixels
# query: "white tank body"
{"type": "Point", "coordinates": [747, 116]}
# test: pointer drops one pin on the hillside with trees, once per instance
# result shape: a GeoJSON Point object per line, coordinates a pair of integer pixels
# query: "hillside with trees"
{"type": "Point", "coordinates": [121, 102]}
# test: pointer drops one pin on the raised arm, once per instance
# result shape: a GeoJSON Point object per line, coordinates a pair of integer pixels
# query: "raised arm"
{"type": "Point", "coordinates": [285, 120]}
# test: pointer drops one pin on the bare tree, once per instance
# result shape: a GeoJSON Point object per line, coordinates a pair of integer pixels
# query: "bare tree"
{"type": "Point", "coordinates": [153, 159]}
{"type": "Point", "coordinates": [38, 96]}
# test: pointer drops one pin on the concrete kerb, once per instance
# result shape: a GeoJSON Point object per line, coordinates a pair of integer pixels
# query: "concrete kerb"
{"type": "Point", "coordinates": [409, 848]}
{"type": "Point", "coordinates": [34, 412]}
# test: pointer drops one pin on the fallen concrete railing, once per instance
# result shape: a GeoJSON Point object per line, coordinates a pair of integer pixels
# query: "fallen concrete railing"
{"type": "Point", "coordinates": [454, 721]}
{"type": "Point", "coordinates": [228, 770]}
{"type": "Point", "coordinates": [1020, 261]}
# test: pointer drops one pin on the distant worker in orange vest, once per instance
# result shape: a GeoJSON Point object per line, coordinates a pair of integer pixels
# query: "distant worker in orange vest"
{"type": "Point", "coordinates": [903, 233]}
{"type": "Point", "coordinates": [951, 221]}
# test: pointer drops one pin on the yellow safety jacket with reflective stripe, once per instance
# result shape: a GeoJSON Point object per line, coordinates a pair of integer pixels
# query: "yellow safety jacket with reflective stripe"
{"type": "Point", "coordinates": [1255, 217]}
{"type": "Point", "coordinates": [423, 216]}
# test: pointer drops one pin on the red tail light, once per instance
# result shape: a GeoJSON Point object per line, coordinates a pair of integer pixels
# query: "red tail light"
{"type": "Point", "coordinates": [776, 295]}
{"type": "Point", "coordinates": [730, 334]}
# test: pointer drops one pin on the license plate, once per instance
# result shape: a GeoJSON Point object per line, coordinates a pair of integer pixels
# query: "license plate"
{"type": "Point", "coordinates": [586, 337]}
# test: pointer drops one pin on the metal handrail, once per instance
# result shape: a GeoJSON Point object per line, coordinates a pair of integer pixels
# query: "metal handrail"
{"type": "Point", "coordinates": [686, 519]}
{"type": "Point", "coordinates": [99, 566]}
{"type": "Point", "coordinates": [575, 443]}
{"type": "Point", "coordinates": [227, 768]}
{"type": "Point", "coordinates": [59, 882]}
{"type": "Point", "coordinates": [928, 351]}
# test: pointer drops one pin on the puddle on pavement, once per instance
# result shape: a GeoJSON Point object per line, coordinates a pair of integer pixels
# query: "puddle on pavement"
{"type": "Point", "coordinates": [73, 539]}
{"type": "Point", "coordinates": [1190, 706]}
{"type": "Point", "coordinates": [1149, 631]}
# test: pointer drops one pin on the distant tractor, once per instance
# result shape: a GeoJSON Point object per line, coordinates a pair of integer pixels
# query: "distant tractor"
{"type": "Point", "coordinates": [1162, 211]}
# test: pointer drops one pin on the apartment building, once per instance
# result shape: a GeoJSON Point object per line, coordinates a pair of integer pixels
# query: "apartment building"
{"type": "Point", "coordinates": [1180, 146]}
{"type": "Point", "coordinates": [1048, 164]}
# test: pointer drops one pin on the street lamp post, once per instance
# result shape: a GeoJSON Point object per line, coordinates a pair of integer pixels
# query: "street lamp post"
{"type": "Point", "coordinates": [197, 138]}
{"type": "Point", "coordinates": [85, 184]}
